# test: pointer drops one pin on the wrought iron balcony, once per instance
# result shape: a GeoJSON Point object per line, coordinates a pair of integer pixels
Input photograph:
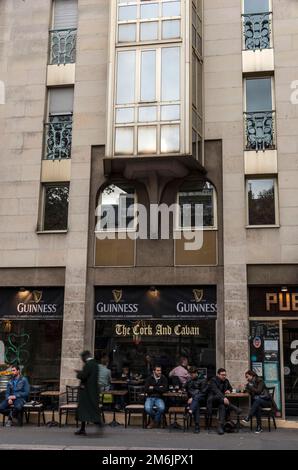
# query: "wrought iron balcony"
{"type": "Point", "coordinates": [63, 46]}
{"type": "Point", "coordinates": [257, 31]}
{"type": "Point", "coordinates": [260, 130]}
{"type": "Point", "coordinates": [58, 137]}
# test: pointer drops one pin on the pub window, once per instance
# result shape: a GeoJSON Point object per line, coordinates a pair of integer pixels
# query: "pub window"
{"type": "Point", "coordinates": [262, 201]}
{"type": "Point", "coordinates": [200, 194]}
{"type": "Point", "coordinates": [116, 208]}
{"type": "Point", "coordinates": [55, 207]}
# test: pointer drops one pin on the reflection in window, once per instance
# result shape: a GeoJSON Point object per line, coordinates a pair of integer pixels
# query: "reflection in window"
{"type": "Point", "coordinates": [115, 209]}
{"type": "Point", "coordinates": [261, 202]}
{"type": "Point", "coordinates": [124, 140]}
{"type": "Point", "coordinates": [147, 140]}
{"type": "Point", "coordinates": [170, 74]}
{"type": "Point", "coordinates": [202, 194]}
{"type": "Point", "coordinates": [170, 139]}
{"type": "Point", "coordinates": [56, 198]}
{"type": "Point", "coordinates": [126, 77]}
{"type": "Point", "coordinates": [148, 76]}
{"type": "Point", "coordinates": [258, 94]}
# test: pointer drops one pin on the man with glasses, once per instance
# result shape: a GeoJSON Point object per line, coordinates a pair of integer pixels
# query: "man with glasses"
{"type": "Point", "coordinates": [220, 388]}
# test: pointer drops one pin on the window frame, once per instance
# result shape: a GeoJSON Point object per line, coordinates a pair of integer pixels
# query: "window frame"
{"type": "Point", "coordinates": [276, 201]}
{"type": "Point", "coordinates": [41, 223]}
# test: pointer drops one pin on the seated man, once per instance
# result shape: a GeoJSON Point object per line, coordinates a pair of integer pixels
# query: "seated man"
{"type": "Point", "coordinates": [219, 390]}
{"type": "Point", "coordinates": [181, 371]}
{"type": "Point", "coordinates": [197, 389]}
{"type": "Point", "coordinates": [17, 393]}
{"type": "Point", "coordinates": [260, 398]}
{"type": "Point", "coordinates": [156, 384]}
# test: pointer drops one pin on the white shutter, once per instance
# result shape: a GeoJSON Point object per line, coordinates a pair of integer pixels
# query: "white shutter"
{"type": "Point", "coordinates": [65, 14]}
{"type": "Point", "coordinates": [60, 100]}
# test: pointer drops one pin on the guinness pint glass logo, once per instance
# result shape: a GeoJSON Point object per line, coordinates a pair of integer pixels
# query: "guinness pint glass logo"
{"type": "Point", "coordinates": [198, 294]}
{"type": "Point", "coordinates": [37, 296]}
{"type": "Point", "coordinates": [117, 294]}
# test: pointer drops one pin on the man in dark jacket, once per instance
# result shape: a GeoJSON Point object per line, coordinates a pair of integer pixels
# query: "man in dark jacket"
{"type": "Point", "coordinates": [260, 398]}
{"type": "Point", "coordinates": [88, 406]}
{"type": "Point", "coordinates": [17, 393]}
{"type": "Point", "coordinates": [197, 389]}
{"type": "Point", "coordinates": [219, 390]}
{"type": "Point", "coordinates": [155, 386]}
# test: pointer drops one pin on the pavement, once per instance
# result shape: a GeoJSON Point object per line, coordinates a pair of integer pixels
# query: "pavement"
{"type": "Point", "coordinates": [30, 437]}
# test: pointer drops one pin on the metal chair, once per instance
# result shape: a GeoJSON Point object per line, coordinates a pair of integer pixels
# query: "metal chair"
{"type": "Point", "coordinates": [71, 404]}
{"type": "Point", "coordinates": [268, 411]}
{"type": "Point", "coordinates": [136, 404]}
{"type": "Point", "coordinates": [34, 405]}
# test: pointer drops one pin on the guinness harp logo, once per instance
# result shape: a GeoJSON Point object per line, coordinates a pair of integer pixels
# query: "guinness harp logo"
{"type": "Point", "coordinates": [37, 295]}
{"type": "Point", "coordinates": [198, 294]}
{"type": "Point", "coordinates": [117, 294]}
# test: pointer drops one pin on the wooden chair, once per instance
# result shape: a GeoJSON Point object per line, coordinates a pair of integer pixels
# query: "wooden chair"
{"type": "Point", "coordinates": [35, 406]}
{"type": "Point", "coordinates": [136, 404]}
{"type": "Point", "coordinates": [71, 404]}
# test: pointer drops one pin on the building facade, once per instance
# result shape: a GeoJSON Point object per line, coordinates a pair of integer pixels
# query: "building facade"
{"type": "Point", "coordinates": [160, 103]}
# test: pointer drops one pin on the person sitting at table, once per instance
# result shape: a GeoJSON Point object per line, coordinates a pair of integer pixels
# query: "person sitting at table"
{"type": "Point", "coordinates": [219, 390]}
{"type": "Point", "coordinates": [260, 398]}
{"type": "Point", "coordinates": [17, 393]}
{"type": "Point", "coordinates": [155, 386]}
{"type": "Point", "coordinates": [104, 374]}
{"type": "Point", "coordinates": [181, 371]}
{"type": "Point", "coordinates": [197, 390]}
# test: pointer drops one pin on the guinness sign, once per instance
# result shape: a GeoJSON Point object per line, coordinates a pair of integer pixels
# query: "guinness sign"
{"type": "Point", "coordinates": [164, 302]}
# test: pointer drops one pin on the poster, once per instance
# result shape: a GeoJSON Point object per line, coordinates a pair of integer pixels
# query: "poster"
{"type": "Point", "coordinates": [271, 371]}
{"type": "Point", "coordinates": [270, 345]}
{"type": "Point", "coordinates": [257, 367]}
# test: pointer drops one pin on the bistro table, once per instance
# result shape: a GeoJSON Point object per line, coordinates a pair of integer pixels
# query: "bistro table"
{"type": "Point", "coordinates": [181, 396]}
{"type": "Point", "coordinates": [114, 393]}
{"type": "Point", "coordinates": [54, 396]}
{"type": "Point", "coordinates": [238, 396]}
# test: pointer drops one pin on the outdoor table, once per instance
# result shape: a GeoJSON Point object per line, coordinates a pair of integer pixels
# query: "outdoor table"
{"type": "Point", "coordinates": [238, 396]}
{"type": "Point", "coordinates": [53, 395]}
{"type": "Point", "coordinates": [178, 394]}
{"type": "Point", "coordinates": [115, 393]}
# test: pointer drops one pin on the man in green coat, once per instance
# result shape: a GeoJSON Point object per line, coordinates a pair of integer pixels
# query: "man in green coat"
{"type": "Point", "coordinates": [88, 406]}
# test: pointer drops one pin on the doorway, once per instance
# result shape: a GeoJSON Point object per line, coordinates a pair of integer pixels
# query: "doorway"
{"type": "Point", "coordinates": [290, 350]}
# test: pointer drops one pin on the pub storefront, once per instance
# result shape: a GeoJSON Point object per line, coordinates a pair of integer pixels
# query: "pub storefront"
{"type": "Point", "coordinates": [274, 342]}
{"type": "Point", "coordinates": [31, 320]}
{"type": "Point", "coordinates": [142, 326]}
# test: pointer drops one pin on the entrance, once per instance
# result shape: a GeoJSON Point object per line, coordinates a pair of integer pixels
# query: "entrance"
{"type": "Point", "coordinates": [290, 349]}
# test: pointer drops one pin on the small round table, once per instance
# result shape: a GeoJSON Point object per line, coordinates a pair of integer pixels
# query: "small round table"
{"type": "Point", "coordinates": [115, 393]}
{"type": "Point", "coordinates": [54, 396]}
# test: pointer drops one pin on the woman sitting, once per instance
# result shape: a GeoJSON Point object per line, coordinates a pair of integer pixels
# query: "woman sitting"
{"type": "Point", "coordinates": [260, 398]}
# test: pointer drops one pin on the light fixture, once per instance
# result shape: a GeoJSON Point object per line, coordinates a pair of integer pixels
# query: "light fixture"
{"type": "Point", "coordinates": [284, 289]}
{"type": "Point", "coordinates": [22, 289]}
{"type": "Point", "coordinates": [153, 291]}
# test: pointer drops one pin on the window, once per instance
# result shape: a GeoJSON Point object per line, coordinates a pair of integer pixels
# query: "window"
{"type": "Point", "coordinates": [259, 115]}
{"type": "Point", "coordinates": [256, 6]}
{"type": "Point", "coordinates": [58, 129]}
{"type": "Point", "coordinates": [55, 206]}
{"type": "Point", "coordinates": [65, 14]}
{"type": "Point", "coordinates": [115, 209]}
{"type": "Point", "coordinates": [63, 33]}
{"type": "Point", "coordinates": [192, 194]}
{"type": "Point", "coordinates": [147, 92]}
{"type": "Point", "coordinates": [257, 25]}
{"type": "Point", "coordinates": [140, 20]}
{"type": "Point", "coordinates": [261, 194]}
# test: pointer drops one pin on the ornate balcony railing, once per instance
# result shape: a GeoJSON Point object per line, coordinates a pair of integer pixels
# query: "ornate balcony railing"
{"type": "Point", "coordinates": [58, 137]}
{"type": "Point", "coordinates": [257, 31]}
{"type": "Point", "coordinates": [63, 46]}
{"type": "Point", "coordinates": [260, 130]}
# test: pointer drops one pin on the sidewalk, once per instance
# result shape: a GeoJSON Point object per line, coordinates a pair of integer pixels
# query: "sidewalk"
{"type": "Point", "coordinates": [32, 437]}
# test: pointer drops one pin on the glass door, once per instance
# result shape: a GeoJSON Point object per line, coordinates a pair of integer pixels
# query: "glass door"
{"type": "Point", "coordinates": [290, 349]}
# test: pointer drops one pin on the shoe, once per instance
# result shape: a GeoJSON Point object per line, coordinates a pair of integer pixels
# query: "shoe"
{"type": "Point", "coordinates": [197, 430]}
{"type": "Point", "coordinates": [245, 420]}
{"type": "Point", "coordinates": [80, 432]}
{"type": "Point", "coordinates": [259, 430]}
{"type": "Point", "coordinates": [152, 425]}
{"type": "Point", "coordinates": [220, 430]}
{"type": "Point", "coordinates": [8, 423]}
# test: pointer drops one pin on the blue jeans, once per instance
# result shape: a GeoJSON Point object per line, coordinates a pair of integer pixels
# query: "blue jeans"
{"type": "Point", "coordinates": [155, 407]}
{"type": "Point", "coordinates": [256, 408]}
{"type": "Point", "coordinates": [195, 408]}
{"type": "Point", "coordinates": [18, 405]}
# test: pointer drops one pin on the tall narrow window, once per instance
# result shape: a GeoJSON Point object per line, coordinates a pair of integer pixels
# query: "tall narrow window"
{"type": "Point", "coordinates": [258, 94]}
{"type": "Point", "coordinates": [126, 77]}
{"type": "Point", "coordinates": [55, 207]}
{"type": "Point", "coordinates": [170, 74]}
{"type": "Point", "coordinates": [261, 201]}
{"type": "Point", "coordinates": [148, 76]}
{"type": "Point", "coordinates": [63, 33]}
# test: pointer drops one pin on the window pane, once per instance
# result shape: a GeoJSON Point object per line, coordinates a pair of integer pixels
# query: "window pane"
{"type": "Point", "coordinates": [148, 76]}
{"type": "Point", "coordinates": [124, 140]}
{"type": "Point", "coordinates": [170, 139]}
{"type": "Point", "coordinates": [258, 95]}
{"type": "Point", "coordinates": [127, 13]}
{"type": "Point", "coordinates": [124, 115]}
{"type": "Point", "coordinates": [147, 114]}
{"type": "Point", "coordinates": [261, 202]}
{"type": "Point", "coordinates": [60, 100]}
{"type": "Point", "coordinates": [171, 9]}
{"type": "Point", "coordinates": [170, 113]}
{"type": "Point", "coordinates": [202, 197]}
{"type": "Point", "coordinates": [127, 32]}
{"type": "Point", "coordinates": [56, 207]}
{"type": "Point", "coordinates": [126, 77]}
{"type": "Point", "coordinates": [256, 6]}
{"type": "Point", "coordinates": [170, 71]}
{"type": "Point", "coordinates": [171, 29]}
{"type": "Point", "coordinates": [114, 207]}
{"type": "Point", "coordinates": [149, 31]}
{"type": "Point", "coordinates": [149, 11]}
{"type": "Point", "coordinates": [147, 139]}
